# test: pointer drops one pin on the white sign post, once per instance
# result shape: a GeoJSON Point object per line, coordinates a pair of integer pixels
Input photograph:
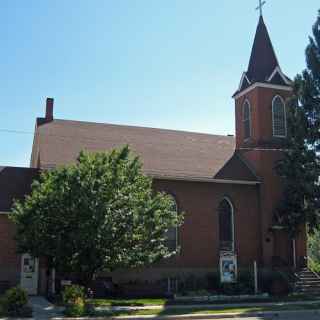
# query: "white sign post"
{"type": "Point", "coordinates": [255, 277]}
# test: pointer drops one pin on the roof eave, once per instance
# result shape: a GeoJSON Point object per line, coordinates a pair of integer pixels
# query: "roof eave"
{"type": "Point", "coordinates": [203, 179]}
{"type": "Point", "coordinates": [238, 94]}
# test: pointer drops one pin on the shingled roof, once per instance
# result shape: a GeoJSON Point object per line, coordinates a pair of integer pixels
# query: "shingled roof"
{"type": "Point", "coordinates": [15, 184]}
{"type": "Point", "coordinates": [164, 153]}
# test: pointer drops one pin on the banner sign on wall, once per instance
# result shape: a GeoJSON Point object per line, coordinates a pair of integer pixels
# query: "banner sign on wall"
{"type": "Point", "coordinates": [228, 268]}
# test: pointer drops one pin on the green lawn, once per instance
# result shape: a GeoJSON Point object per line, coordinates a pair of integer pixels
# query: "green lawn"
{"type": "Point", "coordinates": [200, 310]}
{"type": "Point", "coordinates": [162, 301]}
{"type": "Point", "coordinates": [127, 302]}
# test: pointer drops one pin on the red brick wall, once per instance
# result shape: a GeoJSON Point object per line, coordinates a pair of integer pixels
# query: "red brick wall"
{"type": "Point", "coordinates": [199, 235]}
{"type": "Point", "coordinates": [261, 117]}
{"type": "Point", "coordinates": [263, 151]}
{"type": "Point", "coordinates": [9, 260]}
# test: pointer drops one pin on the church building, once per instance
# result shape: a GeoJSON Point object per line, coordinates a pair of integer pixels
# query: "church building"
{"type": "Point", "coordinates": [226, 186]}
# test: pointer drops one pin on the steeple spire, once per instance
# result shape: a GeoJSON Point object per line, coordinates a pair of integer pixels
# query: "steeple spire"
{"type": "Point", "coordinates": [263, 59]}
{"type": "Point", "coordinates": [263, 65]}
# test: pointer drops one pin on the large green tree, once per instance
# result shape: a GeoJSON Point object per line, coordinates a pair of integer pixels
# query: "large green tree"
{"type": "Point", "coordinates": [100, 213]}
{"type": "Point", "coordinates": [300, 166]}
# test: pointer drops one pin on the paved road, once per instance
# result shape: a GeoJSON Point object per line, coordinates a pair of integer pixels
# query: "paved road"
{"type": "Point", "coordinates": [288, 316]}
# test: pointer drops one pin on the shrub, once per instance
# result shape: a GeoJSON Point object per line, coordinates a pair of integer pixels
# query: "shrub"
{"type": "Point", "coordinates": [190, 284]}
{"type": "Point", "coordinates": [314, 266]}
{"type": "Point", "coordinates": [76, 309]}
{"type": "Point", "coordinates": [73, 298]}
{"type": "Point", "coordinates": [1, 306]}
{"type": "Point", "coordinates": [213, 281]}
{"type": "Point", "coordinates": [274, 282]}
{"type": "Point", "coordinates": [246, 281]}
{"type": "Point", "coordinates": [71, 293]}
{"type": "Point", "coordinates": [15, 303]}
{"type": "Point", "coordinates": [244, 284]}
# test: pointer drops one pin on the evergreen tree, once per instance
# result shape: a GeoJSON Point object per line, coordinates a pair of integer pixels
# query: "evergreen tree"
{"type": "Point", "coordinates": [300, 167]}
{"type": "Point", "coordinates": [314, 251]}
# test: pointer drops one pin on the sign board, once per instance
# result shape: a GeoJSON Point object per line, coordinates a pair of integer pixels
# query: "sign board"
{"type": "Point", "coordinates": [228, 268]}
{"type": "Point", "coordinates": [66, 282]}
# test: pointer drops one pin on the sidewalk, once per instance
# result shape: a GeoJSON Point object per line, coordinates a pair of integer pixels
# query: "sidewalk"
{"type": "Point", "coordinates": [43, 309]}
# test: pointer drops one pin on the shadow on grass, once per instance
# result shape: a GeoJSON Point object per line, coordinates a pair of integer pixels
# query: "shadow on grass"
{"type": "Point", "coordinates": [127, 302]}
{"type": "Point", "coordinates": [209, 311]}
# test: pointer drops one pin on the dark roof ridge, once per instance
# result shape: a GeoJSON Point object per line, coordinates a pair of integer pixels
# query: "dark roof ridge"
{"type": "Point", "coordinates": [140, 127]}
{"type": "Point", "coordinates": [17, 167]}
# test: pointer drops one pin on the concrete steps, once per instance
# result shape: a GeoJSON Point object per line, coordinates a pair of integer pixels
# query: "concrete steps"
{"type": "Point", "coordinates": [307, 282]}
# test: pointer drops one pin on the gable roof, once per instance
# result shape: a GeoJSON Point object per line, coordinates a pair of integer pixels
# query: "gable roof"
{"type": "Point", "coordinates": [237, 168]}
{"type": "Point", "coordinates": [164, 153]}
{"type": "Point", "coordinates": [15, 183]}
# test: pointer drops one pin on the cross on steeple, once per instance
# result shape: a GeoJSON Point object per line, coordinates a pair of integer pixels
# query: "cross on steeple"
{"type": "Point", "coordinates": [260, 6]}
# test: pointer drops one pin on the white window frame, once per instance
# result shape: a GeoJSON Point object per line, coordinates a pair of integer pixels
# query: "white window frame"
{"type": "Point", "coordinates": [232, 220]}
{"type": "Point", "coordinates": [285, 117]}
{"type": "Point", "coordinates": [243, 120]}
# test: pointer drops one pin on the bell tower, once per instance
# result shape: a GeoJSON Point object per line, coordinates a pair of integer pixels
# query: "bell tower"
{"type": "Point", "coordinates": [261, 96]}
{"type": "Point", "coordinates": [261, 132]}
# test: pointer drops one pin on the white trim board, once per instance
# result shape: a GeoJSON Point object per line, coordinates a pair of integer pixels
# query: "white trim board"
{"type": "Point", "coordinates": [262, 85]}
{"type": "Point", "coordinates": [262, 149]}
{"type": "Point", "coordinates": [232, 221]}
{"type": "Point", "coordinates": [278, 70]}
{"type": "Point", "coordinates": [249, 119]}
{"type": "Point", "coordinates": [244, 76]}
{"type": "Point", "coordinates": [4, 212]}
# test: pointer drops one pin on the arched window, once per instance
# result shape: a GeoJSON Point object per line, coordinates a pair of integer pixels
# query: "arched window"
{"type": "Point", "coordinates": [226, 225]}
{"type": "Point", "coordinates": [278, 117]}
{"type": "Point", "coordinates": [246, 119]}
{"type": "Point", "coordinates": [172, 233]}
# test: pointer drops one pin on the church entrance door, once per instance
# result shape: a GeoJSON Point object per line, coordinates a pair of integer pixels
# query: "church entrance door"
{"type": "Point", "coordinates": [29, 274]}
{"type": "Point", "coordinates": [283, 249]}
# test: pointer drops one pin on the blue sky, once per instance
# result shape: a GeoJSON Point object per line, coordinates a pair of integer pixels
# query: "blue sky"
{"type": "Point", "coordinates": [159, 63]}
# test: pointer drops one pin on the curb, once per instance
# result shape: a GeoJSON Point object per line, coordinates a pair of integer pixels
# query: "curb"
{"type": "Point", "coordinates": [190, 316]}
{"type": "Point", "coordinates": [195, 316]}
{"type": "Point", "coordinates": [217, 315]}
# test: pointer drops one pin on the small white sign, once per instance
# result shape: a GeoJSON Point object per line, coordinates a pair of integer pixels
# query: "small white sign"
{"type": "Point", "coordinates": [66, 282]}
